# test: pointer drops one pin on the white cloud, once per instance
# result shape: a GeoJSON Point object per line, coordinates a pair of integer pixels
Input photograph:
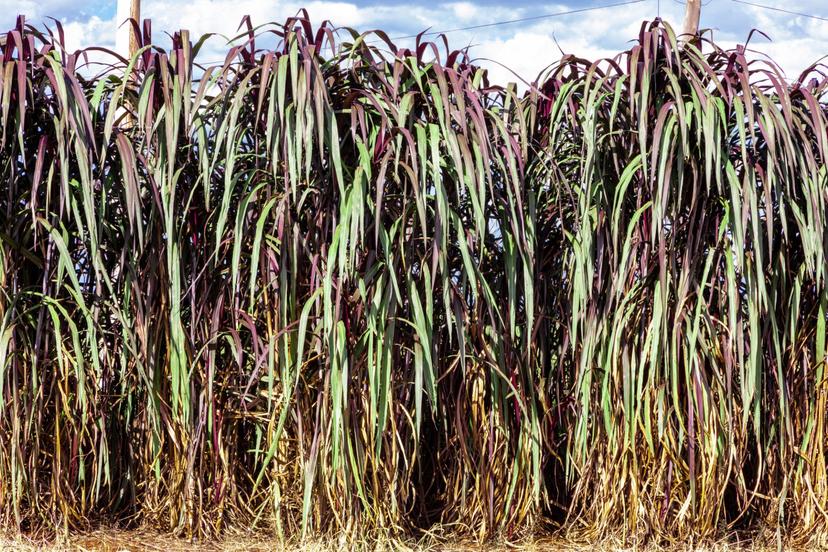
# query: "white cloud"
{"type": "Point", "coordinates": [464, 11]}
{"type": "Point", "coordinates": [93, 31]}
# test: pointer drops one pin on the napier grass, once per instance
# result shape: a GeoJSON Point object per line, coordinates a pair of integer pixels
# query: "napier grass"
{"type": "Point", "coordinates": [332, 287]}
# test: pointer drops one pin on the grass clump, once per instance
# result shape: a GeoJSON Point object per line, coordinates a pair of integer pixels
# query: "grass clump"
{"type": "Point", "coordinates": [332, 288]}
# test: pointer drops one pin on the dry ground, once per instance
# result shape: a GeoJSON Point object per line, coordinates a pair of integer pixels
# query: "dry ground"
{"type": "Point", "coordinates": [121, 541]}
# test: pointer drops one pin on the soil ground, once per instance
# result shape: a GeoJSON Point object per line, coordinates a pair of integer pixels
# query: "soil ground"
{"type": "Point", "coordinates": [136, 540]}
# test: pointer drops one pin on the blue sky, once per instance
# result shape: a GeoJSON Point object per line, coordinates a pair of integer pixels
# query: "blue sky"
{"type": "Point", "coordinates": [525, 47]}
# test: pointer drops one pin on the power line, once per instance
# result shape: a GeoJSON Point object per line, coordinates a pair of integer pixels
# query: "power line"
{"type": "Point", "coordinates": [521, 20]}
{"type": "Point", "coordinates": [782, 10]}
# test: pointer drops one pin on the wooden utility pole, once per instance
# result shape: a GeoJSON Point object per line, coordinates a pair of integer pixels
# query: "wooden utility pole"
{"type": "Point", "coordinates": [135, 13]}
{"type": "Point", "coordinates": [126, 39]}
{"type": "Point", "coordinates": [692, 13]}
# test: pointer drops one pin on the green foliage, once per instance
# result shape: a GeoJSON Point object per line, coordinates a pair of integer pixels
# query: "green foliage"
{"type": "Point", "coordinates": [332, 288]}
